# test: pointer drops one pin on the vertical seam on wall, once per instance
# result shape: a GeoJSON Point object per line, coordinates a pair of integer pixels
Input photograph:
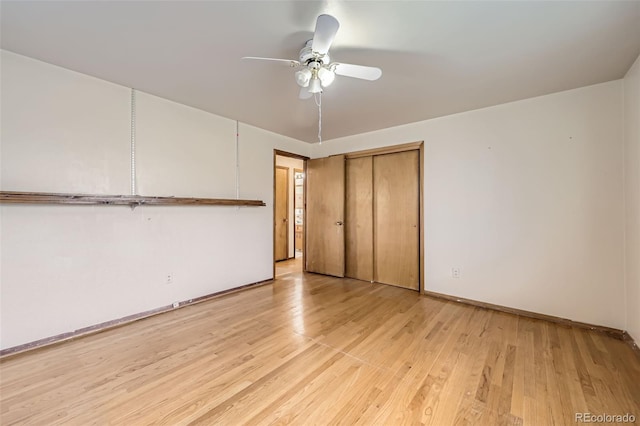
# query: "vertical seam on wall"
{"type": "Point", "coordinates": [624, 210]}
{"type": "Point", "coordinates": [237, 160]}
{"type": "Point", "coordinates": [133, 142]}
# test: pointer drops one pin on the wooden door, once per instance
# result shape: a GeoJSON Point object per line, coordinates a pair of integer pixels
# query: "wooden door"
{"type": "Point", "coordinates": [359, 218]}
{"type": "Point", "coordinates": [281, 213]}
{"type": "Point", "coordinates": [396, 216]}
{"type": "Point", "coordinates": [325, 216]}
{"type": "Point", "coordinates": [298, 206]}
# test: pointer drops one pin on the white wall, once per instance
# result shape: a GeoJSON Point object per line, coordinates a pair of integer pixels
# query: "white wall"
{"type": "Point", "coordinates": [292, 164]}
{"type": "Point", "coordinates": [69, 267]}
{"type": "Point", "coordinates": [525, 198]}
{"type": "Point", "coordinates": [183, 150]}
{"type": "Point", "coordinates": [632, 197]}
{"type": "Point", "coordinates": [55, 136]}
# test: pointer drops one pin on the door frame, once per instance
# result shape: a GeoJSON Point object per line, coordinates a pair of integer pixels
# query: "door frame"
{"type": "Point", "coordinates": [304, 159]}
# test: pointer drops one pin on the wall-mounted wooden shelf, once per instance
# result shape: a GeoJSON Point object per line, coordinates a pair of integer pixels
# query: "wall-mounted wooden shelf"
{"type": "Point", "coordinates": [128, 200]}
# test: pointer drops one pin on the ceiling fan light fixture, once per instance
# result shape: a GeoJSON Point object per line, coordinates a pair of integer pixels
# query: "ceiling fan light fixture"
{"type": "Point", "coordinates": [315, 86]}
{"type": "Point", "coordinates": [315, 71]}
{"type": "Point", "coordinates": [303, 77]}
{"type": "Point", "coordinates": [326, 76]}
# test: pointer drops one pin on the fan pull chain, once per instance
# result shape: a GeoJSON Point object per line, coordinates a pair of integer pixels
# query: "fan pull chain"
{"type": "Point", "coordinates": [318, 100]}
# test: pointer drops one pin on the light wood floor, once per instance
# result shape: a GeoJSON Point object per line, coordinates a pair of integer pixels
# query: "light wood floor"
{"type": "Point", "coordinates": [310, 350]}
{"type": "Point", "coordinates": [289, 266]}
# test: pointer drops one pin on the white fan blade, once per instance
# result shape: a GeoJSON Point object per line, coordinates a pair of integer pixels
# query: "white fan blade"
{"type": "Point", "coordinates": [326, 29]}
{"type": "Point", "coordinates": [305, 93]}
{"type": "Point", "coordinates": [358, 71]}
{"type": "Point", "coordinates": [291, 62]}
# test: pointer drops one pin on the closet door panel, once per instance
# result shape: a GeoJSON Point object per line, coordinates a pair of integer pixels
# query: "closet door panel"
{"type": "Point", "coordinates": [359, 219]}
{"type": "Point", "coordinates": [396, 219]}
{"type": "Point", "coordinates": [325, 216]}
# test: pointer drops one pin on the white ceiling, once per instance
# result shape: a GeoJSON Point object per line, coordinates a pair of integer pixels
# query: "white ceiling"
{"type": "Point", "coordinates": [437, 58]}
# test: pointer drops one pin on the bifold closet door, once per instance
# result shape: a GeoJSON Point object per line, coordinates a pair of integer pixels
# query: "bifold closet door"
{"type": "Point", "coordinates": [396, 219]}
{"type": "Point", "coordinates": [325, 216]}
{"type": "Point", "coordinates": [359, 218]}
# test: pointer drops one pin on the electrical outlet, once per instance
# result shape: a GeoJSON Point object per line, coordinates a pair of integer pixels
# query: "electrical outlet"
{"type": "Point", "coordinates": [169, 278]}
{"type": "Point", "coordinates": [455, 272]}
{"type": "Point", "coordinates": [176, 304]}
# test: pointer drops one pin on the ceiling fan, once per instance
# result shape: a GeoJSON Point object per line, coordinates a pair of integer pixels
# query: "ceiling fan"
{"type": "Point", "coordinates": [316, 69]}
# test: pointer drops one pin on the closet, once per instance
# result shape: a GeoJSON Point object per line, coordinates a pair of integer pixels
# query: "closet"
{"type": "Point", "coordinates": [364, 214]}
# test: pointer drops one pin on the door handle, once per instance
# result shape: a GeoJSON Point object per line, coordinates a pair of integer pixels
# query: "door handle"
{"type": "Point", "coordinates": [339, 223]}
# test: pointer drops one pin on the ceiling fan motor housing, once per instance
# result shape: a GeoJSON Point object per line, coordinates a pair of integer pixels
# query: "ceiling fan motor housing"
{"type": "Point", "coordinates": [313, 62]}
{"type": "Point", "coordinates": [311, 59]}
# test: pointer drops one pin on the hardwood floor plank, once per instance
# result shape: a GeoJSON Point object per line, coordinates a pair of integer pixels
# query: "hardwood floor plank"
{"type": "Point", "coordinates": [518, 391]}
{"type": "Point", "coordinates": [311, 349]}
{"type": "Point", "coordinates": [427, 375]}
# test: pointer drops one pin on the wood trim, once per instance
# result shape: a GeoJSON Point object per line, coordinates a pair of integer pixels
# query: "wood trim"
{"type": "Point", "coordinates": [384, 150]}
{"type": "Point", "coordinates": [613, 332]}
{"type": "Point", "coordinates": [629, 340]}
{"type": "Point", "coordinates": [15, 197]}
{"type": "Point", "coordinates": [108, 325]}
{"type": "Point", "coordinates": [273, 212]}
{"type": "Point", "coordinates": [290, 210]}
{"type": "Point", "coordinates": [373, 223]}
{"type": "Point", "coordinates": [304, 218]}
{"type": "Point", "coordinates": [289, 154]}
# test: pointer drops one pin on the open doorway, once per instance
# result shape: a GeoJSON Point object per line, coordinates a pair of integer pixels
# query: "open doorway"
{"type": "Point", "coordinates": [288, 213]}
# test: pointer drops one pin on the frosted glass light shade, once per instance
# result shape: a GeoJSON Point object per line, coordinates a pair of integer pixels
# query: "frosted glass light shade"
{"type": "Point", "coordinates": [303, 77]}
{"type": "Point", "coordinates": [315, 86]}
{"type": "Point", "coordinates": [326, 76]}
